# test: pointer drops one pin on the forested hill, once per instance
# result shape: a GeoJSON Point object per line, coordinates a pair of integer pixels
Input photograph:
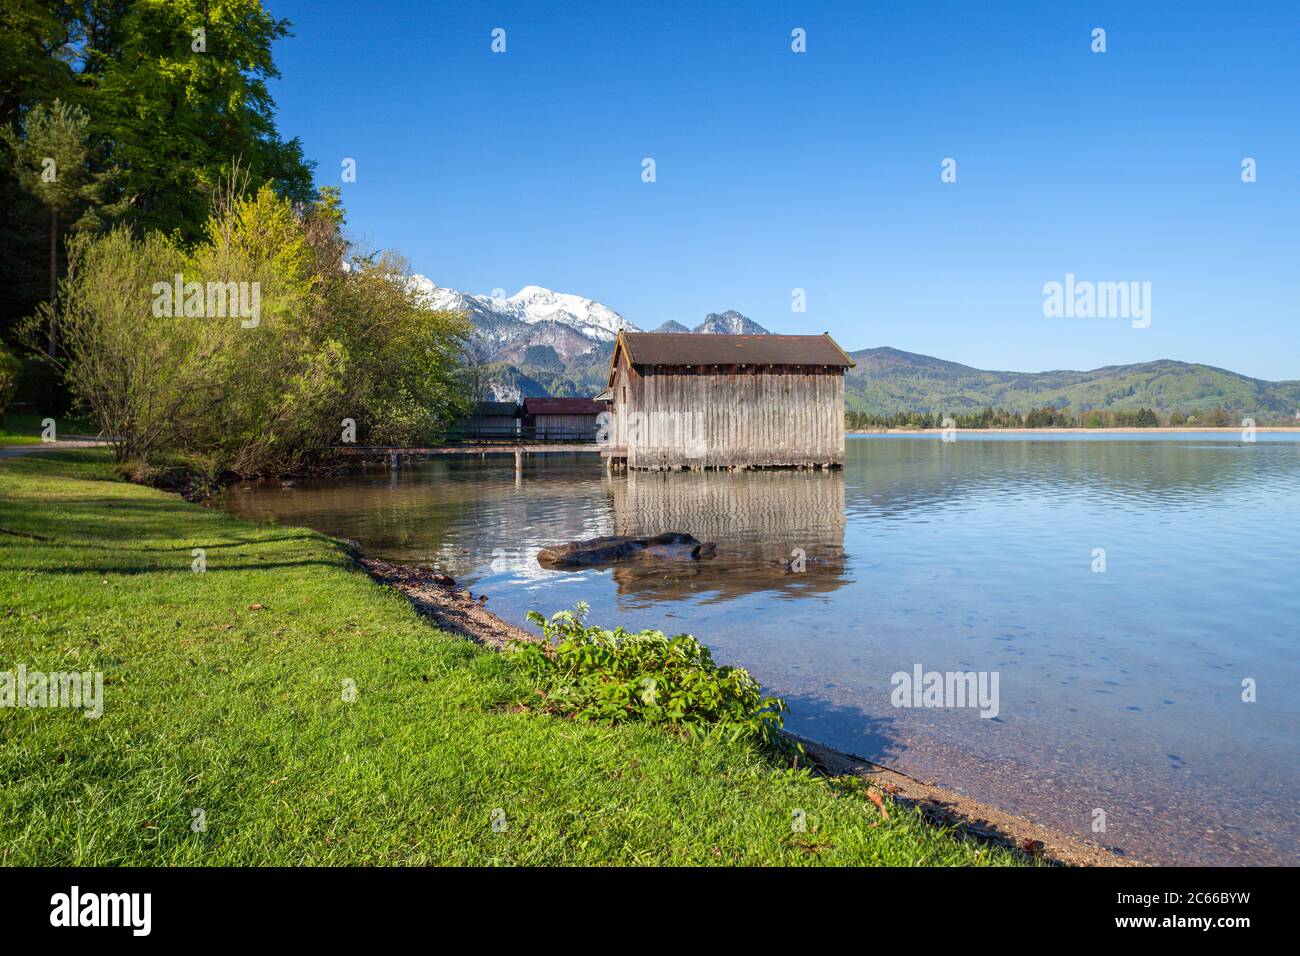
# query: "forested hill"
{"type": "Point", "coordinates": [887, 380]}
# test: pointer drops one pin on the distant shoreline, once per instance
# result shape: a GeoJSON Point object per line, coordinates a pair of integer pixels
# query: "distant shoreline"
{"type": "Point", "coordinates": [1072, 431]}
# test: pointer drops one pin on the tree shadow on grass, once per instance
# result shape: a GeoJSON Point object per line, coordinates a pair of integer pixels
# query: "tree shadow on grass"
{"type": "Point", "coordinates": [118, 523]}
{"type": "Point", "coordinates": [109, 568]}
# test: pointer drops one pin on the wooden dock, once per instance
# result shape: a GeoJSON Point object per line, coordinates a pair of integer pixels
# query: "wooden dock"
{"type": "Point", "coordinates": [396, 454]}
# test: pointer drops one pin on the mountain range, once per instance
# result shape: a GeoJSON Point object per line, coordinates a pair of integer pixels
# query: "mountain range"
{"type": "Point", "coordinates": [541, 342]}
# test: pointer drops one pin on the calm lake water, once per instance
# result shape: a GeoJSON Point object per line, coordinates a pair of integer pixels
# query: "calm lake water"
{"type": "Point", "coordinates": [1118, 690]}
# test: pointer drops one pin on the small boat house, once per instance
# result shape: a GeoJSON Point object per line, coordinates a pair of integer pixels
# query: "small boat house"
{"type": "Point", "coordinates": [561, 419]}
{"type": "Point", "coordinates": [497, 421]}
{"type": "Point", "coordinates": [725, 401]}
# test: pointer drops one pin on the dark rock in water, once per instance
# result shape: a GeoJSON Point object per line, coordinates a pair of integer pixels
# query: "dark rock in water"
{"type": "Point", "coordinates": [670, 546]}
{"type": "Point", "coordinates": [675, 552]}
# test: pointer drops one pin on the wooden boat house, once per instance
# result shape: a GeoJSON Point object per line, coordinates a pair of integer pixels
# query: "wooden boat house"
{"type": "Point", "coordinates": [562, 419]}
{"type": "Point", "coordinates": [492, 420]}
{"type": "Point", "coordinates": [725, 401]}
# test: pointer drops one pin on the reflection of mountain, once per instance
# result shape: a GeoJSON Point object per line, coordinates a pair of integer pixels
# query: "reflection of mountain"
{"type": "Point", "coordinates": [757, 518]}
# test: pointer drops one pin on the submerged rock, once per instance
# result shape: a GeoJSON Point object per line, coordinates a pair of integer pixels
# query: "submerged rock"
{"type": "Point", "coordinates": [669, 546]}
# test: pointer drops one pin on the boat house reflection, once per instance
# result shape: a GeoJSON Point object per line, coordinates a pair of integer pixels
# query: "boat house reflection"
{"type": "Point", "coordinates": [775, 531]}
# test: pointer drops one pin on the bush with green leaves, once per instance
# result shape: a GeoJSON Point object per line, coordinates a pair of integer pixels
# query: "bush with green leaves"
{"type": "Point", "coordinates": [340, 337]}
{"type": "Point", "coordinates": [589, 673]}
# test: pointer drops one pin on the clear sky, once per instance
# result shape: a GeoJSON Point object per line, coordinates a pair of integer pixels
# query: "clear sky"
{"type": "Point", "coordinates": [821, 170]}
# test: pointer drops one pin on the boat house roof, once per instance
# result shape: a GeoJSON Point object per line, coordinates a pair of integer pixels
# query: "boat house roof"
{"type": "Point", "coordinates": [669, 348]}
{"type": "Point", "coordinates": [562, 406]}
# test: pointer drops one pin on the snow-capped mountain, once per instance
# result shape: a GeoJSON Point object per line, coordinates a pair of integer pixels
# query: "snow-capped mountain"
{"type": "Point", "coordinates": [674, 328]}
{"type": "Point", "coordinates": [729, 323]}
{"type": "Point", "coordinates": [539, 341]}
{"type": "Point", "coordinates": [503, 321]}
{"type": "Point", "coordinates": [533, 304]}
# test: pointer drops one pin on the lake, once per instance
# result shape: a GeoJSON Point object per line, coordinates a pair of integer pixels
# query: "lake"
{"type": "Point", "coordinates": [1120, 587]}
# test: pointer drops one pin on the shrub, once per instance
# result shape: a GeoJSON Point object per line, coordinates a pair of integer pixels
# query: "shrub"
{"type": "Point", "coordinates": [172, 376]}
{"type": "Point", "coordinates": [615, 676]}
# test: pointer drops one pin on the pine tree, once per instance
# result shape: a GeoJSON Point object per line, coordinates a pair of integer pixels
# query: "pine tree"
{"type": "Point", "coordinates": [49, 159]}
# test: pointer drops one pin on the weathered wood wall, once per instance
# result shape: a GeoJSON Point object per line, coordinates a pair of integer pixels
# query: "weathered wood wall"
{"type": "Point", "coordinates": [624, 403]}
{"type": "Point", "coordinates": [492, 426]}
{"type": "Point", "coordinates": [733, 417]}
{"type": "Point", "coordinates": [569, 427]}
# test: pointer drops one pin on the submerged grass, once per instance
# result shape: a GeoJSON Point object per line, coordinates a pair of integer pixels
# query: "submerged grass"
{"type": "Point", "coordinates": [213, 703]}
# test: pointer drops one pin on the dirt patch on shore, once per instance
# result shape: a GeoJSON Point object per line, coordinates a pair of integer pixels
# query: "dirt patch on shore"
{"type": "Point", "coordinates": [455, 609]}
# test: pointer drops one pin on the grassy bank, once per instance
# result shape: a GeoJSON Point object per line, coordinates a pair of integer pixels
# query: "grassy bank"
{"type": "Point", "coordinates": [212, 703]}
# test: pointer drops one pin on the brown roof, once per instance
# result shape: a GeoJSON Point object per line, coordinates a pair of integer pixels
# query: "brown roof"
{"type": "Point", "coordinates": [494, 409]}
{"type": "Point", "coordinates": [562, 406]}
{"type": "Point", "coordinates": [668, 348]}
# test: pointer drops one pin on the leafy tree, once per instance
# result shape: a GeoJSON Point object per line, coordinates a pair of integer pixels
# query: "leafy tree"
{"type": "Point", "coordinates": [170, 117]}
{"type": "Point", "coordinates": [173, 374]}
{"type": "Point", "coordinates": [183, 100]}
{"type": "Point", "coordinates": [145, 383]}
{"type": "Point", "coordinates": [34, 53]}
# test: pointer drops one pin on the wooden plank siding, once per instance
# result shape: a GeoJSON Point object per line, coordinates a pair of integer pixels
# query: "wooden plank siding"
{"type": "Point", "coordinates": [672, 417]}
{"type": "Point", "coordinates": [565, 427]}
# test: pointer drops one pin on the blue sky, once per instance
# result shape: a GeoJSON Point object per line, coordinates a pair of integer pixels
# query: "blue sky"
{"type": "Point", "coordinates": [821, 170]}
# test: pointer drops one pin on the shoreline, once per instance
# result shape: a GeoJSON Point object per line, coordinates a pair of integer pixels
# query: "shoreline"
{"type": "Point", "coordinates": [402, 741]}
{"type": "Point", "coordinates": [1159, 429]}
{"type": "Point", "coordinates": [455, 609]}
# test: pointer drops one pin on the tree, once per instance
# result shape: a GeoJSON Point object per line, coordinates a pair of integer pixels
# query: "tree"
{"type": "Point", "coordinates": [183, 98]}
{"type": "Point", "coordinates": [49, 152]}
{"type": "Point", "coordinates": [35, 50]}
{"type": "Point", "coordinates": [177, 97]}
{"type": "Point", "coordinates": [169, 369]}
{"type": "Point", "coordinates": [141, 380]}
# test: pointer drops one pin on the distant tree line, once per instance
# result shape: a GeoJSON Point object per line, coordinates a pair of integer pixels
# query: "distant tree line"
{"type": "Point", "coordinates": [1046, 417]}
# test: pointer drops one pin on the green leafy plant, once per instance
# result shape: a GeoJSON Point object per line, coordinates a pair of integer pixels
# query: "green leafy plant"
{"type": "Point", "coordinates": [170, 377]}
{"type": "Point", "coordinates": [589, 673]}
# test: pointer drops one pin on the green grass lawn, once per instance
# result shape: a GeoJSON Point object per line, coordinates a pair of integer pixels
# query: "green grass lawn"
{"type": "Point", "coordinates": [241, 713]}
{"type": "Point", "coordinates": [24, 428]}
